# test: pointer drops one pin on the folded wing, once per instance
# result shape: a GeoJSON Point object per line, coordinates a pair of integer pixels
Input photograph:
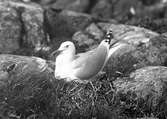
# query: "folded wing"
{"type": "Point", "coordinates": [88, 64]}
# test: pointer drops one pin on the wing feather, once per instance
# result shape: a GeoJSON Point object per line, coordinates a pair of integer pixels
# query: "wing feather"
{"type": "Point", "coordinates": [90, 63]}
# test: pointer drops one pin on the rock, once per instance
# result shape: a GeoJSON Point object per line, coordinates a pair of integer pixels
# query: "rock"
{"type": "Point", "coordinates": [21, 67]}
{"type": "Point", "coordinates": [44, 2]}
{"type": "Point", "coordinates": [33, 20]}
{"type": "Point", "coordinates": [156, 25]}
{"type": "Point", "coordinates": [73, 5]}
{"type": "Point", "coordinates": [144, 91]}
{"type": "Point", "coordinates": [24, 84]}
{"type": "Point", "coordinates": [32, 24]}
{"type": "Point", "coordinates": [120, 30]}
{"type": "Point", "coordinates": [121, 10]}
{"type": "Point", "coordinates": [63, 23]}
{"type": "Point", "coordinates": [125, 9]}
{"type": "Point", "coordinates": [88, 38]}
{"type": "Point", "coordinates": [10, 29]}
{"type": "Point", "coordinates": [83, 41]}
{"type": "Point", "coordinates": [102, 9]}
{"type": "Point", "coordinates": [95, 32]}
{"type": "Point", "coordinates": [22, 26]}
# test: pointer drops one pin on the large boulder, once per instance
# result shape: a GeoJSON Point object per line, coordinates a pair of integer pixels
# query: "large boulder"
{"type": "Point", "coordinates": [22, 26]}
{"type": "Point", "coordinates": [10, 33]}
{"type": "Point", "coordinates": [144, 92]}
{"type": "Point", "coordinates": [16, 67]}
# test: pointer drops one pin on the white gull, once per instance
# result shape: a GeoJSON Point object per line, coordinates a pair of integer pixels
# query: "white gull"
{"type": "Point", "coordinates": [84, 66]}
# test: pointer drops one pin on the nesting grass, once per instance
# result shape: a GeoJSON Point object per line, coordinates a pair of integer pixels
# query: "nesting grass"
{"type": "Point", "coordinates": [38, 97]}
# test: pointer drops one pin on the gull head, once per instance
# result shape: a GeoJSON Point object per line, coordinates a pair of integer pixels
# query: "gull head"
{"type": "Point", "coordinates": [67, 47]}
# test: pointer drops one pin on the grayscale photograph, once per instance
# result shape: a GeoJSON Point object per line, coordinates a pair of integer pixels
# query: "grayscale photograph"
{"type": "Point", "coordinates": [83, 59]}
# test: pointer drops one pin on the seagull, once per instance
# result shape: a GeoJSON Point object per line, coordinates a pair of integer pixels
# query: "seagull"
{"type": "Point", "coordinates": [83, 66]}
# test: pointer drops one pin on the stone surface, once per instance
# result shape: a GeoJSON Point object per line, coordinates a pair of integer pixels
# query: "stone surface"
{"type": "Point", "coordinates": [145, 89]}
{"type": "Point", "coordinates": [120, 10]}
{"type": "Point", "coordinates": [14, 67]}
{"type": "Point", "coordinates": [44, 2]}
{"type": "Point", "coordinates": [21, 26]}
{"type": "Point", "coordinates": [63, 23]}
{"type": "Point", "coordinates": [102, 9]}
{"type": "Point", "coordinates": [83, 41]}
{"type": "Point", "coordinates": [33, 25]}
{"type": "Point", "coordinates": [10, 29]}
{"type": "Point", "coordinates": [95, 32]}
{"type": "Point", "coordinates": [122, 31]}
{"type": "Point", "coordinates": [88, 38]}
{"type": "Point", "coordinates": [74, 5]}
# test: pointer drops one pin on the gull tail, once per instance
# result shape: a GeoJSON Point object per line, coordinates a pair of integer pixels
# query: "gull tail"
{"type": "Point", "coordinates": [115, 44]}
{"type": "Point", "coordinates": [109, 36]}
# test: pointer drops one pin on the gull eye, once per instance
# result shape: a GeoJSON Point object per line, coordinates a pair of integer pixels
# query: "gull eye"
{"type": "Point", "coordinates": [67, 46]}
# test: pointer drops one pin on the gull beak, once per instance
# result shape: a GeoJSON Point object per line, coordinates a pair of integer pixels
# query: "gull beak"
{"type": "Point", "coordinates": [56, 52]}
